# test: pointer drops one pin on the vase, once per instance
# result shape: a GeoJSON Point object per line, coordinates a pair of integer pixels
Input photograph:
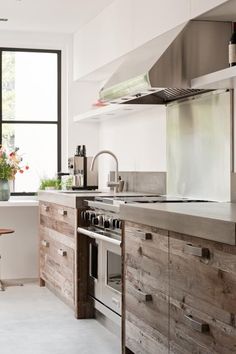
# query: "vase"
{"type": "Point", "coordinates": [4, 190]}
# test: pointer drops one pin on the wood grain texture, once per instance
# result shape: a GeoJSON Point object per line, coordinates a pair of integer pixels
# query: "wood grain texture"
{"type": "Point", "coordinates": [57, 225]}
{"type": "Point", "coordinates": [191, 291]}
{"type": "Point", "coordinates": [204, 288]}
{"type": "Point", "coordinates": [85, 304]}
{"type": "Point", "coordinates": [57, 249]}
{"type": "Point", "coordinates": [64, 264]}
{"type": "Point", "coordinates": [146, 273]}
{"type": "Point", "coordinates": [58, 270]}
{"type": "Point", "coordinates": [55, 211]}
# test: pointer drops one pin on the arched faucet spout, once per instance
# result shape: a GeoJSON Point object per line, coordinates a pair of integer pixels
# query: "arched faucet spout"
{"type": "Point", "coordinates": [110, 184]}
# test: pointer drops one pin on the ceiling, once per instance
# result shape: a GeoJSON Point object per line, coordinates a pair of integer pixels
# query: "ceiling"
{"type": "Point", "coordinates": [57, 16]}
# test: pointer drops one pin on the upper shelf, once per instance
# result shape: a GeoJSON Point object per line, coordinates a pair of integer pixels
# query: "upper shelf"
{"type": "Point", "coordinates": [222, 79]}
{"type": "Point", "coordinates": [110, 111]}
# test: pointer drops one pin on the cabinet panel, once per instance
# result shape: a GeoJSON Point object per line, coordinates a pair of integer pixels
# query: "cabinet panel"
{"type": "Point", "coordinates": [56, 266]}
{"type": "Point", "coordinates": [146, 289]}
{"type": "Point", "coordinates": [57, 249]}
{"type": "Point", "coordinates": [58, 218]}
{"type": "Point", "coordinates": [202, 295]}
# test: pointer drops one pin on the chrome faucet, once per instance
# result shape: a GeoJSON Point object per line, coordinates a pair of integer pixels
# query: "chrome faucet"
{"type": "Point", "coordinates": [112, 184]}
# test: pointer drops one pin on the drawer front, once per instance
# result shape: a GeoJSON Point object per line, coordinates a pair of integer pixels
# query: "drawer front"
{"type": "Point", "coordinates": [57, 266]}
{"type": "Point", "coordinates": [140, 342]}
{"type": "Point", "coordinates": [202, 292]}
{"type": "Point", "coordinates": [146, 289]}
{"type": "Point", "coordinates": [59, 218]}
{"type": "Point", "coordinates": [192, 331]}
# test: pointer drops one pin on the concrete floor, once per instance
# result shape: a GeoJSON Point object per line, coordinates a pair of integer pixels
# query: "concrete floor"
{"type": "Point", "coordinates": [34, 321]}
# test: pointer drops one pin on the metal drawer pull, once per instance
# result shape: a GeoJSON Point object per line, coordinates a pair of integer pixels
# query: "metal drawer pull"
{"type": "Point", "coordinates": [143, 235]}
{"type": "Point", "coordinates": [62, 253]}
{"type": "Point", "coordinates": [62, 212]}
{"type": "Point", "coordinates": [141, 296]}
{"type": "Point", "coordinates": [45, 243]}
{"type": "Point", "coordinates": [45, 207]}
{"type": "Point", "coordinates": [197, 325]}
{"type": "Point", "coordinates": [196, 251]}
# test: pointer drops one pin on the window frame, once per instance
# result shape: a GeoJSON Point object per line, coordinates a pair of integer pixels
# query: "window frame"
{"type": "Point", "coordinates": [57, 122]}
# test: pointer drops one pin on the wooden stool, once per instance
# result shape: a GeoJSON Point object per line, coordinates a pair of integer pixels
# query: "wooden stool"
{"type": "Point", "coordinates": [4, 232]}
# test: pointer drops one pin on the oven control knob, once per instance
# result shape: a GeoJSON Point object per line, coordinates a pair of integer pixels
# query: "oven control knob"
{"type": "Point", "coordinates": [114, 224]}
{"type": "Point", "coordinates": [101, 220]}
{"type": "Point", "coordinates": [92, 215]}
{"type": "Point", "coordinates": [95, 221]}
{"type": "Point", "coordinates": [117, 224]}
{"type": "Point", "coordinates": [106, 224]}
{"type": "Point", "coordinates": [87, 215]}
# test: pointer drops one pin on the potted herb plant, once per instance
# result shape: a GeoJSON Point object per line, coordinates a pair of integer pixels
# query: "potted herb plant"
{"type": "Point", "coordinates": [50, 184]}
{"type": "Point", "coordinates": [10, 164]}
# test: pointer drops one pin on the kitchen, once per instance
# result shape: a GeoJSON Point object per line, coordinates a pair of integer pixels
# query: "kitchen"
{"type": "Point", "coordinates": [139, 136]}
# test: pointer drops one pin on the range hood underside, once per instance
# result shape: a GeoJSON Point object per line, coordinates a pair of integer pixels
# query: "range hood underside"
{"type": "Point", "coordinates": [165, 96]}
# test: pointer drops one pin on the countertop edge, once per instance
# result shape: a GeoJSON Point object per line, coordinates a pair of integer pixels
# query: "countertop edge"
{"type": "Point", "coordinates": [203, 227]}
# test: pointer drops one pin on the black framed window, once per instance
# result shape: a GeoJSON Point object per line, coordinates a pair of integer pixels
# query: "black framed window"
{"type": "Point", "coordinates": [30, 112]}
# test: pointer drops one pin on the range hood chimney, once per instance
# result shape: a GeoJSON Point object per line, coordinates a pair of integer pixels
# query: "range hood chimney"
{"type": "Point", "coordinates": [161, 70]}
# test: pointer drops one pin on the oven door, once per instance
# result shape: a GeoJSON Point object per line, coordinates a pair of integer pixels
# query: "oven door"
{"type": "Point", "coordinates": [104, 269]}
{"type": "Point", "coordinates": [111, 286]}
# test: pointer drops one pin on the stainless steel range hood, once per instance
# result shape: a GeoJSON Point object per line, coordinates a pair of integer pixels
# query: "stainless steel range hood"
{"type": "Point", "coordinates": [161, 70]}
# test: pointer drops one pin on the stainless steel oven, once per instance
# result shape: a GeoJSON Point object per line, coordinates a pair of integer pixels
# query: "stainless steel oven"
{"type": "Point", "coordinates": [104, 233]}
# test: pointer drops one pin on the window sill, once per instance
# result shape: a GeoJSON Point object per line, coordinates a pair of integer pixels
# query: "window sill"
{"type": "Point", "coordinates": [20, 202]}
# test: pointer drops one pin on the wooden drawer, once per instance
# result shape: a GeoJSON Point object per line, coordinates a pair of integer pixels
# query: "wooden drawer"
{"type": "Point", "coordinates": [57, 266]}
{"type": "Point", "coordinates": [192, 331]}
{"type": "Point", "coordinates": [139, 342]}
{"type": "Point", "coordinates": [146, 289]}
{"type": "Point", "coordinates": [59, 218]}
{"type": "Point", "coordinates": [202, 285]}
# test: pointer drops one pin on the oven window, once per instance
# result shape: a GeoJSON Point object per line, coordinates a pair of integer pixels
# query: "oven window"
{"type": "Point", "coordinates": [94, 260]}
{"type": "Point", "coordinates": [114, 270]}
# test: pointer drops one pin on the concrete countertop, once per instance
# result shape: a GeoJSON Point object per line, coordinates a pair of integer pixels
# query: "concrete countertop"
{"type": "Point", "coordinates": [211, 221]}
{"type": "Point", "coordinates": [74, 199]}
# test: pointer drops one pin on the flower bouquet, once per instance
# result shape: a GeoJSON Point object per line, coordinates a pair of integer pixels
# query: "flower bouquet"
{"type": "Point", "coordinates": [10, 164]}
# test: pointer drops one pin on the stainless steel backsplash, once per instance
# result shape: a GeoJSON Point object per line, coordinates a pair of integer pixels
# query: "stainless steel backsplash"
{"type": "Point", "coordinates": [199, 147]}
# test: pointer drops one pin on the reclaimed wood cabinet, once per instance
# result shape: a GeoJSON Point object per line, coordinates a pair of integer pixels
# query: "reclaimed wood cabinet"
{"type": "Point", "coordinates": [202, 308]}
{"type": "Point", "coordinates": [179, 293]}
{"type": "Point", "coordinates": [146, 289]}
{"type": "Point", "coordinates": [63, 259]}
{"type": "Point", "coordinates": [57, 249]}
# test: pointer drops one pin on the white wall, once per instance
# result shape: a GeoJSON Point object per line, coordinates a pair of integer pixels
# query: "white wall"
{"type": "Point", "coordinates": [82, 97]}
{"type": "Point", "coordinates": [19, 251]}
{"type": "Point", "coordinates": [138, 140]}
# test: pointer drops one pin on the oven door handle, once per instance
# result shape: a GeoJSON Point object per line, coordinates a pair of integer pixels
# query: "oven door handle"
{"type": "Point", "coordinates": [96, 236]}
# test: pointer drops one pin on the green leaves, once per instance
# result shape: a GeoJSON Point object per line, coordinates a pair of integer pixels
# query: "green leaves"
{"type": "Point", "coordinates": [50, 183]}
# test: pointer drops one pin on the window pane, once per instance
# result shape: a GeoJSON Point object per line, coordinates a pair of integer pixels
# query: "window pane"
{"type": "Point", "coordinates": [38, 147]}
{"type": "Point", "coordinates": [29, 86]}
